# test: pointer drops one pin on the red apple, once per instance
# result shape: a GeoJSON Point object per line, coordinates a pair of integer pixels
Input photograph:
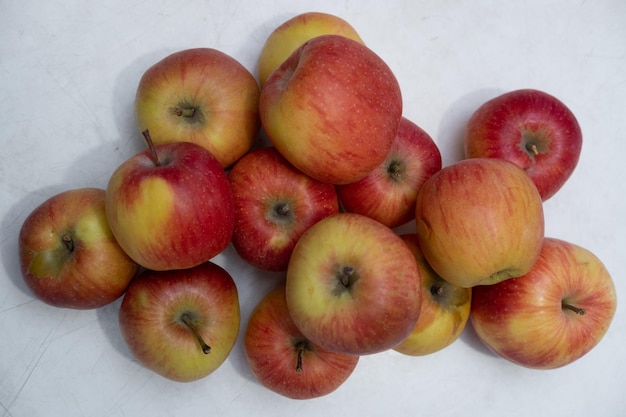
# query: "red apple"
{"type": "Point", "coordinates": [285, 361]}
{"type": "Point", "coordinates": [181, 324]}
{"type": "Point", "coordinates": [551, 316]}
{"type": "Point", "coordinates": [332, 109]}
{"type": "Point", "coordinates": [274, 204]}
{"type": "Point", "coordinates": [68, 255]}
{"type": "Point", "coordinates": [389, 192]}
{"type": "Point", "coordinates": [532, 129]}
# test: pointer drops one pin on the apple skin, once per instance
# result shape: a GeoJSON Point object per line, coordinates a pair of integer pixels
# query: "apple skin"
{"type": "Point", "coordinates": [389, 192]}
{"type": "Point", "coordinates": [67, 253]}
{"type": "Point", "coordinates": [524, 319]}
{"type": "Point", "coordinates": [532, 129]}
{"type": "Point", "coordinates": [274, 205]}
{"type": "Point", "coordinates": [332, 109]}
{"type": "Point", "coordinates": [220, 94]}
{"type": "Point", "coordinates": [176, 215]}
{"type": "Point", "coordinates": [274, 347]}
{"type": "Point", "coordinates": [151, 323]}
{"type": "Point", "coordinates": [444, 312]}
{"type": "Point", "coordinates": [480, 221]}
{"type": "Point", "coordinates": [353, 285]}
{"type": "Point", "coordinates": [292, 33]}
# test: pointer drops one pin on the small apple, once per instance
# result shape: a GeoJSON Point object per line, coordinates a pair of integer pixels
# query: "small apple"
{"type": "Point", "coordinates": [203, 96]}
{"type": "Point", "coordinates": [551, 316]}
{"type": "Point", "coordinates": [532, 129]}
{"type": "Point", "coordinates": [181, 324]}
{"type": "Point", "coordinates": [388, 193]}
{"type": "Point", "coordinates": [480, 221]}
{"type": "Point", "coordinates": [68, 255]}
{"type": "Point", "coordinates": [353, 285]}
{"type": "Point", "coordinates": [332, 109]}
{"type": "Point", "coordinates": [274, 204]}
{"type": "Point", "coordinates": [292, 33]}
{"type": "Point", "coordinates": [171, 206]}
{"type": "Point", "coordinates": [444, 312]}
{"type": "Point", "coordinates": [285, 361]}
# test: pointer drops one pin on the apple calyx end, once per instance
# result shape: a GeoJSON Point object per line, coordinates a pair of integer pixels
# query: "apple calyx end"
{"type": "Point", "coordinates": [577, 310]}
{"type": "Point", "coordinates": [395, 169]}
{"type": "Point", "coordinates": [188, 321]}
{"type": "Point", "coordinates": [150, 144]}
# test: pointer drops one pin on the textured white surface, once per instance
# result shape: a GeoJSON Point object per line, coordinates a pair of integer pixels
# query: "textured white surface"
{"type": "Point", "coordinates": [68, 73]}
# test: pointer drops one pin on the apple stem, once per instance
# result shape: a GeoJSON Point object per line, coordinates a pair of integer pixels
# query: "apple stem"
{"type": "Point", "coordinates": [575, 309]}
{"type": "Point", "coordinates": [184, 111]}
{"type": "Point", "coordinates": [69, 242]}
{"type": "Point", "coordinates": [533, 148]}
{"type": "Point", "coordinates": [187, 320]}
{"type": "Point", "coordinates": [148, 138]}
{"type": "Point", "coordinates": [300, 347]}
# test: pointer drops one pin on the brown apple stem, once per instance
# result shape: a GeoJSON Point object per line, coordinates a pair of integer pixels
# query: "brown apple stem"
{"type": "Point", "coordinates": [184, 111]}
{"type": "Point", "coordinates": [148, 138]}
{"type": "Point", "coordinates": [300, 348]}
{"type": "Point", "coordinates": [533, 148]}
{"type": "Point", "coordinates": [69, 242]}
{"type": "Point", "coordinates": [187, 320]}
{"type": "Point", "coordinates": [575, 309]}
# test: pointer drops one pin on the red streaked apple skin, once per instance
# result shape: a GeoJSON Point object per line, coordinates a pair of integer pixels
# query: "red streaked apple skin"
{"type": "Point", "coordinates": [509, 125]}
{"type": "Point", "coordinates": [523, 319]}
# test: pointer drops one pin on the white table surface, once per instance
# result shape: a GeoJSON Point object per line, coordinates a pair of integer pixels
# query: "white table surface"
{"type": "Point", "coordinates": [68, 73]}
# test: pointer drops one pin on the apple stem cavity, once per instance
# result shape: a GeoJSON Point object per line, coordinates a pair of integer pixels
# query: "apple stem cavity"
{"type": "Point", "coordinates": [577, 310]}
{"type": "Point", "coordinates": [282, 209]}
{"type": "Point", "coordinates": [345, 276]}
{"type": "Point", "coordinates": [395, 169]}
{"type": "Point", "coordinates": [188, 321]}
{"type": "Point", "coordinates": [300, 347]}
{"type": "Point", "coordinates": [69, 242]}
{"type": "Point", "coordinates": [532, 148]}
{"type": "Point", "coordinates": [436, 290]}
{"type": "Point", "coordinates": [151, 147]}
{"type": "Point", "coordinates": [184, 111]}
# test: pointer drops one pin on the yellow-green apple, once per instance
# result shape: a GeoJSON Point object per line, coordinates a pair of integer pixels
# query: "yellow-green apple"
{"type": "Point", "coordinates": [551, 316]}
{"type": "Point", "coordinates": [388, 193]}
{"type": "Point", "coordinates": [274, 204]}
{"type": "Point", "coordinates": [444, 312]}
{"type": "Point", "coordinates": [171, 206]}
{"type": "Point", "coordinates": [353, 285]}
{"type": "Point", "coordinates": [68, 255]}
{"type": "Point", "coordinates": [283, 360]}
{"type": "Point", "coordinates": [181, 324]}
{"type": "Point", "coordinates": [532, 129]}
{"type": "Point", "coordinates": [332, 109]}
{"type": "Point", "coordinates": [203, 96]}
{"type": "Point", "coordinates": [292, 33]}
{"type": "Point", "coordinates": [480, 221]}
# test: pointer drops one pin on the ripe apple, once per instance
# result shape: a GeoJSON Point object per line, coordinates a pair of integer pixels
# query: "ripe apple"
{"type": "Point", "coordinates": [353, 285]}
{"type": "Point", "coordinates": [274, 204]}
{"type": "Point", "coordinates": [181, 324]}
{"type": "Point", "coordinates": [332, 109]}
{"type": "Point", "coordinates": [68, 255]}
{"type": "Point", "coordinates": [480, 221]}
{"type": "Point", "coordinates": [551, 316]}
{"type": "Point", "coordinates": [292, 33]}
{"type": "Point", "coordinates": [388, 193]}
{"type": "Point", "coordinates": [285, 361]}
{"type": "Point", "coordinates": [444, 312]}
{"type": "Point", "coordinates": [171, 206]}
{"type": "Point", "coordinates": [532, 129]}
{"type": "Point", "coordinates": [203, 96]}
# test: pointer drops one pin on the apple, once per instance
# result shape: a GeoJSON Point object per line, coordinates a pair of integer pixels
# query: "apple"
{"type": "Point", "coordinates": [67, 253]}
{"type": "Point", "coordinates": [203, 96]}
{"type": "Point", "coordinates": [285, 361]}
{"type": "Point", "coordinates": [274, 204]}
{"type": "Point", "coordinates": [444, 312]}
{"type": "Point", "coordinates": [171, 206]}
{"type": "Point", "coordinates": [551, 316]}
{"type": "Point", "coordinates": [332, 109]}
{"type": "Point", "coordinates": [480, 221]}
{"type": "Point", "coordinates": [292, 33]}
{"type": "Point", "coordinates": [389, 192]}
{"type": "Point", "coordinates": [181, 324]}
{"type": "Point", "coordinates": [532, 129]}
{"type": "Point", "coordinates": [353, 285]}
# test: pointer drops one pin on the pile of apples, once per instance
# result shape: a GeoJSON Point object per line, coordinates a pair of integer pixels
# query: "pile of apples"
{"type": "Point", "coordinates": [322, 202]}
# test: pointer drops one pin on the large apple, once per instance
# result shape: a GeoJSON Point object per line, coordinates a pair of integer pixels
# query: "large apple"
{"type": "Point", "coordinates": [203, 96]}
{"type": "Point", "coordinates": [532, 129]}
{"type": "Point", "coordinates": [332, 109]}
{"type": "Point", "coordinates": [480, 221]}
{"type": "Point", "coordinates": [292, 33]}
{"type": "Point", "coordinates": [389, 192]}
{"type": "Point", "coordinates": [274, 205]}
{"type": "Point", "coordinates": [68, 255]}
{"type": "Point", "coordinates": [444, 312]}
{"type": "Point", "coordinates": [171, 206]}
{"type": "Point", "coordinates": [353, 285]}
{"type": "Point", "coordinates": [551, 316]}
{"type": "Point", "coordinates": [283, 360]}
{"type": "Point", "coordinates": [181, 324]}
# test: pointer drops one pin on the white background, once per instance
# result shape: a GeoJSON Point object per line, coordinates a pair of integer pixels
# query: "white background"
{"type": "Point", "coordinates": [68, 74]}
